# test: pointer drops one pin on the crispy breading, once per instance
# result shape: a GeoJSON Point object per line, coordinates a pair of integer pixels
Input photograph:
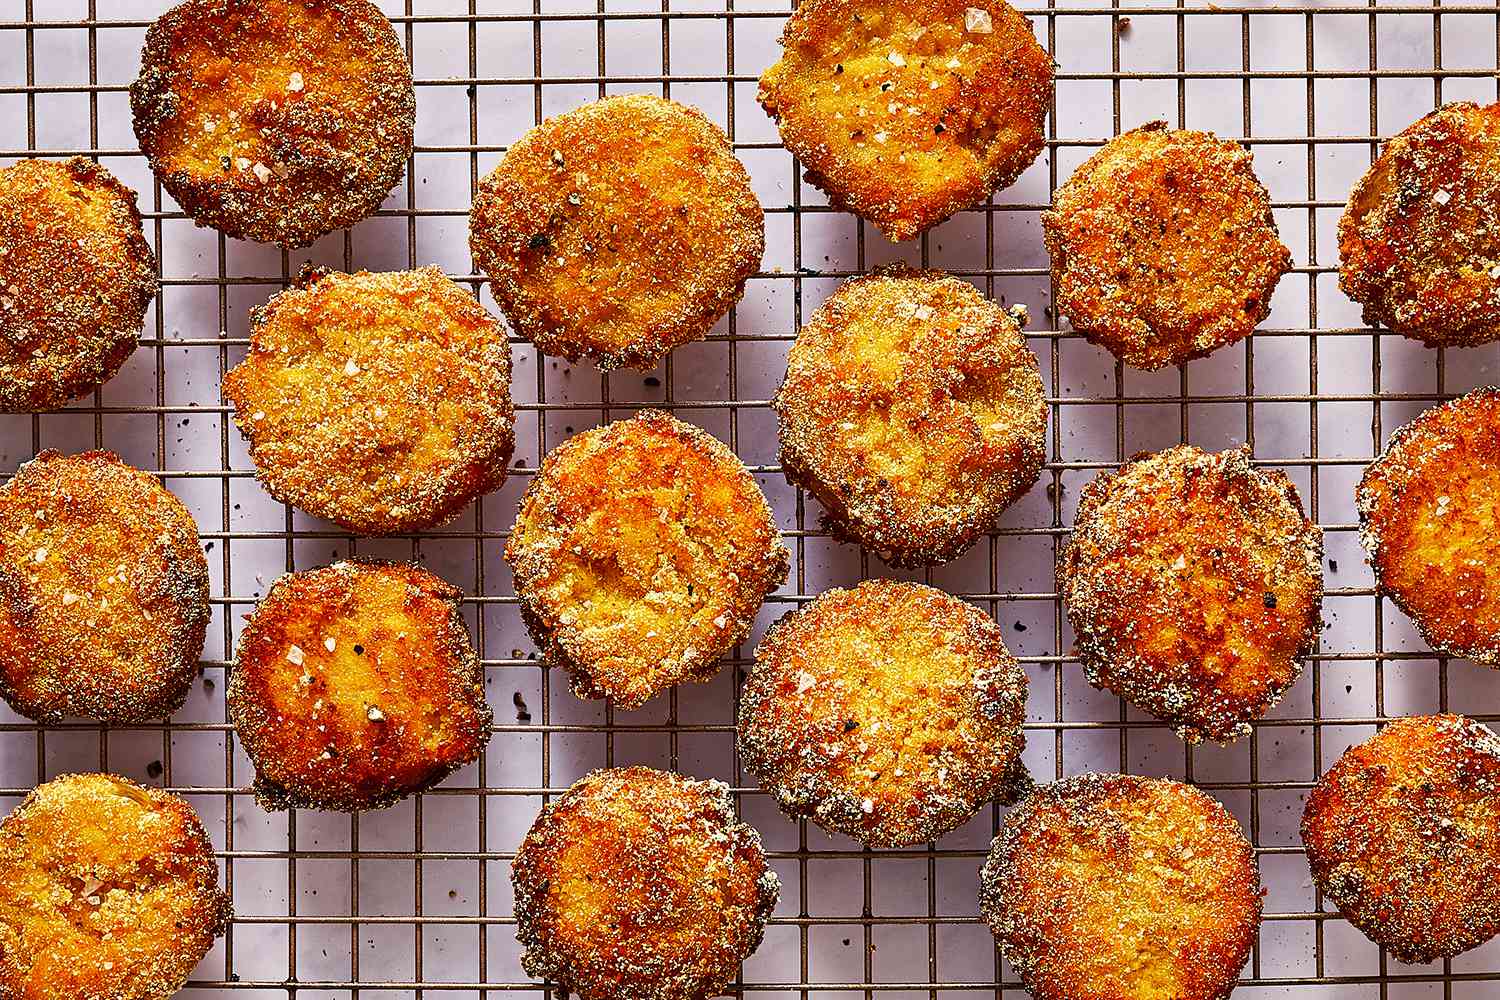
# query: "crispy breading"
{"type": "Point", "coordinates": [1163, 246]}
{"type": "Point", "coordinates": [108, 891]}
{"type": "Point", "coordinates": [275, 120]}
{"type": "Point", "coordinates": [637, 884]}
{"type": "Point", "coordinates": [1418, 245]}
{"type": "Point", "coordinates": [1117, 887]}
{"type": "Point", "coordinates": [103, 591]}
{"type": "Point", "coordinates": [1403, 836]}
{"type": "Point", "coordinates": [618, 231]}
{"type": "Point", "coordinates": [76, 276]}
{"type": "Point", "coordinates": [641, 554]}
{"type": "Point", "coordinates": [891, 712]}
{"type": "Point", "coordinates": [1429, 514]}
{"type": "Point", "coordinates": [912, 409]}
{"type": "Point", "coordinates": [379, 401]}
{"type": "Point", "coordinates": [905, 113]}
{"type": "Point", "coordinates": [1194, 584]}
{"type": "Point", "coordinates": [355, 685]}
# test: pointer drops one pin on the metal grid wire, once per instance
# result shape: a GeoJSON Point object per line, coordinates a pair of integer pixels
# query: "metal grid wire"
{"type": "Point", "coordinates": [421, 899]}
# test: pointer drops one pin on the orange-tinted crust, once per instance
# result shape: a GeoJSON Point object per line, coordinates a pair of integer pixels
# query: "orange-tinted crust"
{"type": "Point", "coordinates": [906, 112]}
{"type": "Point", "coordinates": [355, 685]}
{"type": "Point", "coordinates": [637, 884]}
{"type": "Point", "coordinates": [103, 591]}
{"type": "Point", "coordinates": [1403, 836]}
{"type": "Point", "coordinates": [275, 120]}
{"type": "Point", "coordinates": [108, 891]}
{"type": "Point", "coordinates": [1117, 887]}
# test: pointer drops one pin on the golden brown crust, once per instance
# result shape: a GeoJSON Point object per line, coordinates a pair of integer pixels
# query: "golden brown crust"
{"type": "Point", "coordinates": [637, 884]}
{"type": "Point", "coordinates": [355, 685]}
{"type": "Point", "coordinates": [641, 554]}
{"type": "Point", "coordinates": [905, 113]}
{"type": "Point", "coordinates": [1163, 246]}
{"type": "Point", "coordinates": [275, 120]}
{"type": "Point", "coordinates": [891, 712]}
{"type": "Point", "coordinates": [103, 591]}
{"type": "Point", "coordinates": [1194, 583]}
{"type": "Point", "coordinates": [379, 401]}
{"type": "Point", "coordinates": [108, 891]}
{"type": "Point", "coordinates": [1117, 887]}
{"type": "Point", "coordinates": [1429, 514]}
{"type": "Point", "coordinates": [1417, 242]}
{"type": "Point", "coordinates": [912, 409]}
{"type": "Point", "coordinates": [1403, 836]}
{"type": "Point", "coordinates": [618, 231]}
{"type": "Point", "coordinates": [76, 276]}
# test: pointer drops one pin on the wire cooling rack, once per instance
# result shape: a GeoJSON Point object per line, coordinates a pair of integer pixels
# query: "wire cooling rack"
{"type": "Point", "coordinates": [416, 900]}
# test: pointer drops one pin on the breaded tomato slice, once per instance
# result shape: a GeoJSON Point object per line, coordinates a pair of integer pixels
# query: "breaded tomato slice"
{"type": "Point", "coordinates": [1417, 242]}
{"type": "Point", "coordinates": [905, 113]}
{"type": "Point", "coordinates": [912, 409]}
{"type": "Point", "coordinates": [1403, 836]}
{"type": "Point", "coordinates": [1117, 887]}
{"type": "Point", "coordinates": [641, 554]}
{"type": "Point", "coordinates": [1163, 246]}
{"type": "Point", "coordinates": [103, 591]}
{"type": "Point", "coordinates": [378, 401]}
{"type": "Point", "coordinates": [618, 231]}
{"type": "Point", "coordinates": [355, 685]}
{"type": "Point", "coordinates": [275, 120]}
{"type": "Point", "coordinates": [891, 712]}
{"type": "Point", "coordinates": [108, 891]}
{"type": "Point", "coordinates": [76, 276]}
{"type": "Point", "coordinates": [637, 884]}
{"type": "Point", "coordinates": [1194, 583]}
{"type": "Point", "coordinates": [1429, 513]}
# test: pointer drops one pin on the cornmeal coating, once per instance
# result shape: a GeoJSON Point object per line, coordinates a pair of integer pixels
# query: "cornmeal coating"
{"type": "Point", "coordinates": [378, 401]}
{"type": "Point", "coordinates": [912, 410]}
{"type": "Point", "coordinates": [1417, 242]}
{"type": "Point", "coordinates": [1163, 246]}
{"type": "Point", "coordinates": [103, 591]}
{"type": "Point", "coordinates": [355, 685]}
{"type": "Point", "coordinates": [1403, 836]}
{"type": "Point", "coordinates": [907, 112]}
{"type": "Point", "coordinates": [108, 891]}
{"type": "Point", "coordinates": [891, 712]}
{"type": "Point", "coordinates": [1117, 887]}
{"type": "Point", "coordinates": [1194, 584]}
{"type": "Point", "coordinates": [641, 554]}
{"type": "Point", "coordinates": [637, 884]}
{"type": "Point", "coordinates": [275, 120]}
{"type": "Point", "coordinates": [1429, 515]}
{"type": "Point", "coordinates": [76, 276]}
{"type": "Point", "coordinates": [618, 231]}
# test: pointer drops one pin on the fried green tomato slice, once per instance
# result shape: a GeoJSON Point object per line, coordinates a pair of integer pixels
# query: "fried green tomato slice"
{"type": "Point", "coordinates": [76, 276]}
{"type": "Point", "coordinates": [1118, 887]}
{"type": "Point", "coordinates": [1403, 836]}
{"type": "Point", "coordinates": [641, 554]}
{"type": "Point", "coordinates": [275, 120]}
{"type": "Point", "coordinates": [891, 712]}
{"type": "Point", "coordinates": [907, 112]}
{"type": "Point", "coordinates": [1429, 513]}
{"type": "Point", "coordinates": [108, 891]}
{"type": "Point", "coordinates": [1417, 242]}
{"type": "Point", "coordinates": [637, 884]}
{"type": "Point", "coordinates": [103, 591]}
{"type": "Point", "coordinates": [1193, 582]}
{"type": "Point", "coordinates": [913, 411]}
{"type": "Point", "coordinates": [378, 401]}
{"type": "Point", "coordinates": [618, 231]}
{"type": "Point", "coordinates": [355, 685]}
{"type": "Point", "coordinates": [1163, 246]}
